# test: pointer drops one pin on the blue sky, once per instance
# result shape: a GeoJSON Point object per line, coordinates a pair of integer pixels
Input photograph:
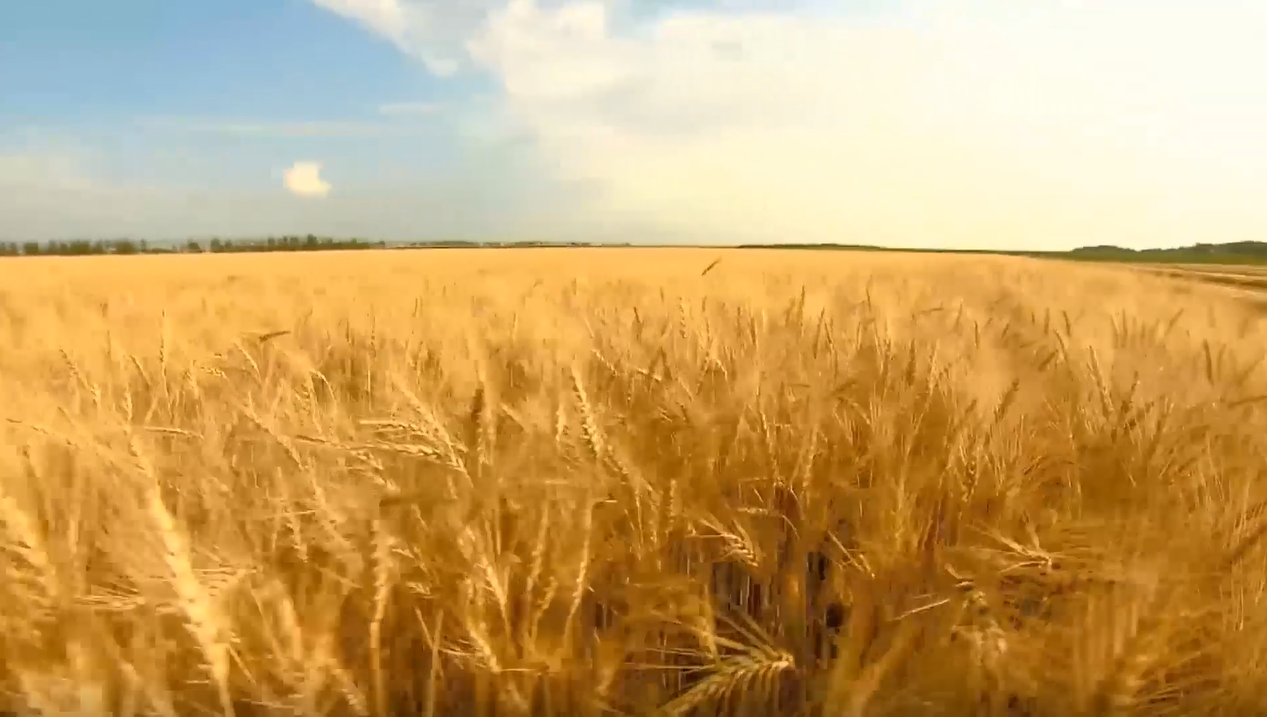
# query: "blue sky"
{"type": "Point", "coordinates": [901, 122]}
{"type": "Point", "coordinates": [84, 64]}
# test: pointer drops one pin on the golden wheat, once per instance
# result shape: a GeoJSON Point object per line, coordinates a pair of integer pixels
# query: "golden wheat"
{"type": "Point", "coordinates": [631, 482]}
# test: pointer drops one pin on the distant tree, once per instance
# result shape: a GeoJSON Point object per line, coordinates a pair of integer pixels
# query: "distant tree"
{"type": "Point", "coordinates": [305, 242]}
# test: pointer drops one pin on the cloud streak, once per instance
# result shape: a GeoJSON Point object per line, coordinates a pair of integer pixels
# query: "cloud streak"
{"type": "Point", "coordinates": [409, 109]}
{"type": "Point", "coordinates": [281, 130]}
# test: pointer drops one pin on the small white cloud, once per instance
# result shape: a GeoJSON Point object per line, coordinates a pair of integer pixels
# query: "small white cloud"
{"type": "Point", "coordinates": [303, 179]}
{"type": "Point", "coordinates": [408, 109]}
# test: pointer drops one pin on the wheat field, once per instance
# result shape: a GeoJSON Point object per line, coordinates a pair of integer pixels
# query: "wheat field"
{"type": "Point", "coordinates": [623, 481]}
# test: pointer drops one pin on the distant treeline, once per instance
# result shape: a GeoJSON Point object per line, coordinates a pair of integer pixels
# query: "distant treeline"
{"type": "Point", "coordinates": [1241, 252]}
{"type": "Point", "coordinates": [214, 246]}
{"type": "Point", "coordinates": [1246, 252]}
{"type": "Point", "coordinates": [242, 246]}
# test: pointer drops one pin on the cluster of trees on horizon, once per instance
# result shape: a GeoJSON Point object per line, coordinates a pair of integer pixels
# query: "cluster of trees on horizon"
{"type": "Point", "coordinates": [311, 242]}
{"type": "Point", "coordinates": [84, 247]}
{"type": "Point", "coordinates": [1246, 249]}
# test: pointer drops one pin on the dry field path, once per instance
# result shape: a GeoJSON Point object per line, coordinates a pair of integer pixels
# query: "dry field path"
{"type": "Point", "coordinates": [586, 481]}
{"type": "Point", "coordinates": [1244, 283]}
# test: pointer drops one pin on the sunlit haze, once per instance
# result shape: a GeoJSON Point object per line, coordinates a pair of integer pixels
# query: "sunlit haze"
{"type": "Point", "coordinates": [966, 124]}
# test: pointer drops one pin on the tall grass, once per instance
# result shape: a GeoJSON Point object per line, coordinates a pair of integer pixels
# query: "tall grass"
{"type": "Point", "coordinates": [617, 482]}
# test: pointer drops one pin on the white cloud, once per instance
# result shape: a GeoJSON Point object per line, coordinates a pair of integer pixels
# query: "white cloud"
{"type": "Point", "coordinates": [386, 17]}
{"type": "Point", "coordinates": [1054, 127]}
{"type": "Point", "coordinates": [434, 31]}
{"type": "Point", "coordinates": [303, 179]}
{"type": "Point", "coordinates": [981, 123]}
{"type": "Point", "coordinates": [431, 30]}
